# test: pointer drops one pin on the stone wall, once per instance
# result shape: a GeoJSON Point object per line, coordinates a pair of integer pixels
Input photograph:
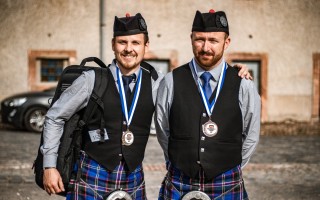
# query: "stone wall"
{"type": "Point", "coordinates": [285, 31]}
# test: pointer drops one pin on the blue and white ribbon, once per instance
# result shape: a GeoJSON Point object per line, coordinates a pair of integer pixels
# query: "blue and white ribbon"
{"type": "Point", "coordinates": [209, 106]}
{"type": "Point", "coordinates": [124, 106]}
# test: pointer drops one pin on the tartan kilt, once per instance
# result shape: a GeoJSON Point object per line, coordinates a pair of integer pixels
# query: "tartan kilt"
{"type": "Point", "coordinates": [227, 186]}
{"type": "Point", "coordinates": [96, 182]}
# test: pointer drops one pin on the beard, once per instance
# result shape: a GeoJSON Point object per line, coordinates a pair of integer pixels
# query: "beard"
{"type": "Point", "coordinates": [127, 64]}
{"type": "Point", "coordinates": [210, 61]}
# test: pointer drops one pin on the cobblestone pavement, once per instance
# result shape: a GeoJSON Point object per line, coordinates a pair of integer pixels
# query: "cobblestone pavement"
{"type": "Point", "coordinates": [283, 167]}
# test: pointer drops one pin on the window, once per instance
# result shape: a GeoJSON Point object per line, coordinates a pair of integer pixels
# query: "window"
{"type": "Point", "coordinates": [46, 66]}
{"type": "Point", "coordinates": [254, 69]}
{"type": "Point", "coordinates": [257, 64]}
{"type": "Point", "coordinates": [51, 69]}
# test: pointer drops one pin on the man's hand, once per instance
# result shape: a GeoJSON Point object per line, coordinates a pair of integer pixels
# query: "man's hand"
{"type": "Point", "coordinates": [243, 71]}
{"type": "Point", "coordinates": [52, 181]}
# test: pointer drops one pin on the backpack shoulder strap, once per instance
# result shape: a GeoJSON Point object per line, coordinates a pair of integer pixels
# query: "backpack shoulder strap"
{"type": "Point", "coordinates": [149, 68]}
{"type": "Point", "coordinates": [95, 101]}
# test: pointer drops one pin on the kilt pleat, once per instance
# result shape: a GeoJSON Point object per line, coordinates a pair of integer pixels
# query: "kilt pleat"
{"type": "Point", "coordinates": [227, 186]}
{"type": "Point", "coordinates": [96, 182]}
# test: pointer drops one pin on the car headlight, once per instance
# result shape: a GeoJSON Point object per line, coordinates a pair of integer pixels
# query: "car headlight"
{"type": "Point", "coordinates": [15, 102]}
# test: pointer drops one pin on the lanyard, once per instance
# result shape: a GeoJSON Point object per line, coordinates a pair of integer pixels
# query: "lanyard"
{"type": "Point", "coordinates": [128, 115]}
{"type": "Point", "coordinates": [209, 106]}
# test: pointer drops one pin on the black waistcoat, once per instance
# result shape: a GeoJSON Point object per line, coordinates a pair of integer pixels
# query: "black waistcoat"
{"type": "Point", "coordinates": [109, 153]}
{"type": "Point", "coordinates": [187, 143]}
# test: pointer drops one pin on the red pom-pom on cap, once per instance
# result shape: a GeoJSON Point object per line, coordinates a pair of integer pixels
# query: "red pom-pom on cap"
{"type": "Point", "coordinates": [127, 14]}
{"type": "Point", "coordinates": [211, 11]}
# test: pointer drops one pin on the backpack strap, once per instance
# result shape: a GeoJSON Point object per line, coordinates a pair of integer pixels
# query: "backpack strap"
{"type": "Point", "coordinates": [93, 59]}
{"type": "Point", "coordinates": [149, 68]}
{"type": "Point", "coordinates": [100, 86]}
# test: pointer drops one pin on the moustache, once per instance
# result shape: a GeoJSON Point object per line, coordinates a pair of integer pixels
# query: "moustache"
{"type": "Point", "coordinates": [206, 53]}
{"type": "Point", "coordinates": [128, 54]}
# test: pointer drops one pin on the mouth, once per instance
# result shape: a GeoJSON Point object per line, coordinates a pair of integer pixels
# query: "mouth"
{"type": "Point", "coordinates": [128, 56]}
{"type": "Point", "coordinates": [206, 56]}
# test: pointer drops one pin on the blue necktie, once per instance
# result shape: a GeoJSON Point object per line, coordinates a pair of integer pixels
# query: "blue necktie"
{"type": "Point", "coordinates": [206, 76]}
{"type": "Point", "coordinates": [126, 81]}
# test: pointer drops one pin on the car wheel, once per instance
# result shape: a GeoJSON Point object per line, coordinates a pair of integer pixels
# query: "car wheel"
{"type": "Point", "coordinates": [34, 119]}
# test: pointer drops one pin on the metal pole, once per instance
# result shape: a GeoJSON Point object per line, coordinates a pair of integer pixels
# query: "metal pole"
{"type": "Point", "coordinates": [102, 27]}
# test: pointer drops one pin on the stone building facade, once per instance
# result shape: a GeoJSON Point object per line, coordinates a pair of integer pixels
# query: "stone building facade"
{"type": "Point", "coordinates": [277, 38]}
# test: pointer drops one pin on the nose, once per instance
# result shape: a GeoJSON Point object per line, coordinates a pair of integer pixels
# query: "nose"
{"type": "Point", "coordinates": [128, 47]}
{"type": "Point", "coordinates": [205, 46]}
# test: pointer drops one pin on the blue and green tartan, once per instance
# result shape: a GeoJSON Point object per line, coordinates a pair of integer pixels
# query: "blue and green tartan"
{"type": "Point", "coordinates": [96, 182]}
{"type": "Point", "coordinates": [227, 186]}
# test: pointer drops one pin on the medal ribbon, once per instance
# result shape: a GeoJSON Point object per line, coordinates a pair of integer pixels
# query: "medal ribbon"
{"type": "Point", "coordinates": [128, 115]}
{"type": "Point", "coordinates": [209, 106]}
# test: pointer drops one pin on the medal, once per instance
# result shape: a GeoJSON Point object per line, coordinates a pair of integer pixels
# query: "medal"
{"type": "Point", "coordinates": [210, 128]}
{"type": "Point", "coordinates": [127, 138]}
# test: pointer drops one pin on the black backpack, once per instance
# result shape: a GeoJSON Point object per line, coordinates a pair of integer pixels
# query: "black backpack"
{"type": "Point", "coordinates": [70, 142]}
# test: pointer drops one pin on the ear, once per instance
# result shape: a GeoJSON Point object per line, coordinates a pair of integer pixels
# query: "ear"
{"type": "Point", "coordinates": [146, 47]}
{"type": "Point", "coordinates": [113, 43]}
{"type": "Point", "coordinates": [227, 43]}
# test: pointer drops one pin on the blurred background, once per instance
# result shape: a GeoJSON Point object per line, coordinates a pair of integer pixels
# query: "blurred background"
{"type": "Point", "coordinates": [277, 39]}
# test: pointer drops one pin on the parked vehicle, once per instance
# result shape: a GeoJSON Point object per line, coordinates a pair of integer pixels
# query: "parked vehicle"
{"type": "Point", "coordinates": [27, 110]}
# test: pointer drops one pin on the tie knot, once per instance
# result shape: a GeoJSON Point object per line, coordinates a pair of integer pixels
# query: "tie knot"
{"type": "Point", "coordinates": [206, 76]}
{"type": "Point", "coordinates": [128, 79]}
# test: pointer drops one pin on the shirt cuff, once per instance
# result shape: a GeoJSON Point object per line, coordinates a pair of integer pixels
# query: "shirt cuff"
{"type": "Point", "coordinates": [49, 161]}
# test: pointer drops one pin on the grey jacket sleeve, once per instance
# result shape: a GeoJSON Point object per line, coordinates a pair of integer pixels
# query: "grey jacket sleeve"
{"type": "Point", "coordinates": [71, 100]}
{"type": "Point", "coordinates": [162, 110]}
{"type": "Point", "coordinates": [250, 105]}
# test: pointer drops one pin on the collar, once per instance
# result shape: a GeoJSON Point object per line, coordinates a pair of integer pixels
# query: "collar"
{"type": "Point", "coordinates": [215, 72]}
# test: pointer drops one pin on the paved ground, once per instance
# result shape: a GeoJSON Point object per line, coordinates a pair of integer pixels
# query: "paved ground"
{"type": "Point", "coordinates": [283, 167]}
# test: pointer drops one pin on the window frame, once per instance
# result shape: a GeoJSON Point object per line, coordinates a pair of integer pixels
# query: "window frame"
{"type": "Point", "coordinates": [34, 74]}
{"type": "Point", "coordinates": [315, 114]}
{"type": "Point", "coordinates": [263, 59]}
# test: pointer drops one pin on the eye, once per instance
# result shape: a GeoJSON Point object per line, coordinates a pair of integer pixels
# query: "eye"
{"type": "Point", "coordinates": [122, 42]}
{"type": "Point", "coordinates": [135, 42]}
{"type": "Point", "coordinates": [199, 40]}
{"type": "Point", "coordinates": [213, 41]}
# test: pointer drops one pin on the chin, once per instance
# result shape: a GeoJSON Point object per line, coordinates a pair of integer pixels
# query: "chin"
{"type": "Point", "coordinates": [129, 65]}
{"type": "Point", "coordinates": [206, 65]}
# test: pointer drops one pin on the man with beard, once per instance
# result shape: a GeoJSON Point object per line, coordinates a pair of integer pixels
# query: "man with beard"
{"type": "Point", "coordinates": [207, 119]}
{"type": "Point", "coordinates": [113, 163]}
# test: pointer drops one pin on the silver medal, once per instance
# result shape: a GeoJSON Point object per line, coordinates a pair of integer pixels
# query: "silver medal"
{"type": "Point", "coordinates": [127, 138]}
{"type": "Point", "coordinates": [210, 128]}
{"type": "Point", "coordinates": [196, 195]}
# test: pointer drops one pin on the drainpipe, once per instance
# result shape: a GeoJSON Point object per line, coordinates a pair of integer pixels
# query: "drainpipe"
{"type": "Point", "coordinates": [102, 29]}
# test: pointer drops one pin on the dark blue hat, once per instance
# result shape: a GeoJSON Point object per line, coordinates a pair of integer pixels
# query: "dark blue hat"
{"type": "Point", "coordinates": [129, 25]}
{"type": "Point", "coordinates": [210, 22]}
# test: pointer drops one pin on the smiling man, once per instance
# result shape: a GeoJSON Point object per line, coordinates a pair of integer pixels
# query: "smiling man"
{"type": "Point", "coordinates": [111, 163]}
{"type": "Point", "coordinates": [207, 119]}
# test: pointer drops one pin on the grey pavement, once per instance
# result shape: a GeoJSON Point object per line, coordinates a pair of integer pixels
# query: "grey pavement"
{"type": "Point", "coordinates": [283, 167]}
